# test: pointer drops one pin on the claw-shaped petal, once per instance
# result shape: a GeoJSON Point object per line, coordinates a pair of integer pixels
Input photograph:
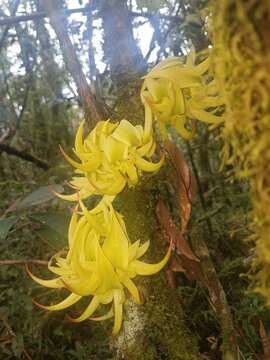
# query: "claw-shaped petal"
{"type": "Point", "coordinates": [142, 268]}
{"type": "Point", "coordinates": [91, 308]}
{"type": "Point", "coordinates": [53, 283]}
{"type": "Point", "coordinates": [69, 301]}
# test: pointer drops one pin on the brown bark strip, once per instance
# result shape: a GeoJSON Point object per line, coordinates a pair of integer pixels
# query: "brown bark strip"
{"type": "Point", "coordinates": [217, 295]}
{"type": "Point", "coordinates": [203, 271]}
{"type": "Point", "coordinates": [25, 156]}
{"type": "Point", "coordinates": [91, 109]}
{"type": "Point", "coordinates": [186, 183]}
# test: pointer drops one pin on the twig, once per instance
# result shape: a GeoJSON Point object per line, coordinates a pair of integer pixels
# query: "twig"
{"type": "Point", "coordinates": [24, 104]}
{"type": "Point", "coordinates": [149, 16]}
{"type": "Point", "coordinates": [12, 20]}
{"type": "Point", "coordinates": [200, 191]}
{"type": "Point", "coordinates": [92, 111]}
{"type": "Point", "coordinates": [23, 262]}
{"type": "Point", "coordinates": [25, 156]}
{"type": "Point", "coordinates": [217, 294]}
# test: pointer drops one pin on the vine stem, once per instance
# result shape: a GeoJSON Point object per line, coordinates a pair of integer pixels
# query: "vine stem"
{"type": "Point", "coordinates": [23, 262]}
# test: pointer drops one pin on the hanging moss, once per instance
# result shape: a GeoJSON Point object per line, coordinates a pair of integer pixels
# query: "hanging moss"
{"type": "Point", "coordinates": [240, 32]}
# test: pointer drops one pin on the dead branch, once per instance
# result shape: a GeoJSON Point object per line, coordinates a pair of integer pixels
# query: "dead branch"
{"type": "Point", "coordinates": [25, 156]}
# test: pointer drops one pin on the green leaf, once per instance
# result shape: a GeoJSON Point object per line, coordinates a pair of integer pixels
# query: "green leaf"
{"type": "Point", "coordinates": [54, 228]}
{"type": "Point", "coordinates": [39, 196]}
{"type": "Point", "coordinates": [57, 221]}
{"type": "Point", "coordinates": [5, 225]}
{"type": "Point", "coordinates": [52, 238]}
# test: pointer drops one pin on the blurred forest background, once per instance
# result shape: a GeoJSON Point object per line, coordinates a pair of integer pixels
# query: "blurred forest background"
{"type": "Point", "coordinates": [41, 105]}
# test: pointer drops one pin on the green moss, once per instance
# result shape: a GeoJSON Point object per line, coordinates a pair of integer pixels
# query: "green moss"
{"type": "Point", "coordinates": [156, 329]}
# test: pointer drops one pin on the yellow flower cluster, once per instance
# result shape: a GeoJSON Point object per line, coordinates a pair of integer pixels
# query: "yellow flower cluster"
{"type": "Point", "coordinates": [111, 156]}
{"type": "Point", "coordinates": [101, 262]}
{"type": "Point", "coordinates": [242, 51]}
{"type": "Point", "coordinates": [177, 92]}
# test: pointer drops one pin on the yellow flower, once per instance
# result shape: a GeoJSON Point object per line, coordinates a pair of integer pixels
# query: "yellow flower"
{"type": "Point", "coordinates": [111, 156]}
{"type": "Point", "coordinates": [177, 92]}
{"type": "Point", "coordinates": [101, 262]}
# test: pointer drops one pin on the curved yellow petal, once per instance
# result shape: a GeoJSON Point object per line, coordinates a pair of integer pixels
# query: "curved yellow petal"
{"type": "Point", "coordinates": [69, 301]}
{"type": "Point", "coordinates": [74, 163]}
{"type": "Point", "coordinates": [131, 172]}
{"type": "Point", "coordinates": [142, 268]}
{"type": "Point", "coordinates": [142, 249]}
{"type": "Point", "coordinates": [53, 283]}
{"type": "Point", "coordinates": [92, 219]}
{"type": "Point", "coordinates": [147, 165]}
{"type": "Point", "coordinates": [180, 127]}
{"type": "Point", "coordinates": [118, 313]}
{"type": "Point", "coordinates": [106, 316]}
{"type": "Point", "coordinates": [132, 250]}
{"type": "Point", "coordinates": [60, 271]}
{"type": "Point", "coordinates": [91, 308]}
{"type": "Point", "coordinates": [79, 138]}
{"type": "Point", "coordinates": [129, 284]}
{"type": "Point", "coordinates": [206, 116]}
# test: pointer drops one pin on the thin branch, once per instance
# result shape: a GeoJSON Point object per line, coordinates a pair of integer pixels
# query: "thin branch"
{"type": "Point", "coordinates": [149, 16]}
{"type": "Point", "coordinates": [24, 104]}
{"type": "Point", "coordinates": [217, 294]}
{"type": "Point", "coordinates": [12, 20]}
{"type": "Point", "coordinates": [92, 111]}
{"type": "Point", "coordinates": [91, 54]}
{"type": "Point", "coordinates": [23, 262]}
{"type": "Point", "coordinates": [25, 156]}
{"type": "Point", "coordinates": [200, 190]}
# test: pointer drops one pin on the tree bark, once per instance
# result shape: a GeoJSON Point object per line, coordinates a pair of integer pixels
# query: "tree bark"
{"type": "Point", "coordinates": [120, 48]}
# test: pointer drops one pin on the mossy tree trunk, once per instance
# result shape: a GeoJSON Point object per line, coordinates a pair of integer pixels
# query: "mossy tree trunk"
{"type": "Point", "coordinates": [155, 329]}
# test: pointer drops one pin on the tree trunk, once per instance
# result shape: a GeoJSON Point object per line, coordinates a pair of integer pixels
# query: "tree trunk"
{"type": "Point", "coordinates": [155, 329]}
